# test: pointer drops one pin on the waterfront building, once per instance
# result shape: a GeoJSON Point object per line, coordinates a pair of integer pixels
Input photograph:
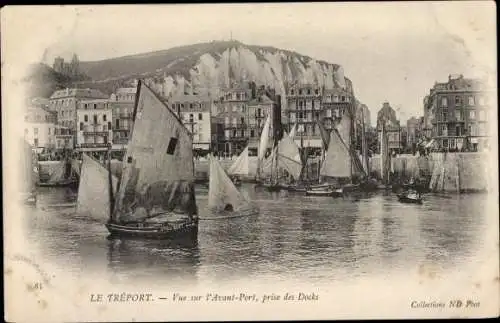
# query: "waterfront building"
{"type": "Point", "coordinates": [95, 132]}
{"type": "Point", "coordinates": [65, 102]}
{"type": "Point", "coordinates": [304, 108]}
{"type": "Point", "coordinates": [232, 110]}
{"type": "Point", "coordinates": [258, 110]}
{"type": "Point", "coordinates": [195, 113]}
{"type": "Point", "coordinates": [415, 132]}
{"type": "Point", "coordinates": [122, 105]}
{"type": "Point", "coordinates": [39, 127]}
{"type": "Point", "coordinates": [386, 116]}
{"type": "Point", "coordinates": [456, 113]}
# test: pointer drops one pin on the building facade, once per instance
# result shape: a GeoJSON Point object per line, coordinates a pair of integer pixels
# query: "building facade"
{"type": "Point", "coordinates": [39, 127]}
{"type": "Point", "coordinates": [233, 113]}
{"type": "Point", "coordinates": [456, 113]}
{"type": "Point", "coordinates": [386, 117]}
{"type": "Point", "coordinates": [122, 106]}
{"type": "Point", "coordinates": [258, 110]}
{"type": "Point", "coordinates": [304, 109]}
{"type": "Point", "coordinates": [414, 127]}
{"type": "Point", "coordinates": [195, 113]}
{"type": "Point", "coordinates": [95, 132]}
{"type": "Point", "coordinates": [65, 103]}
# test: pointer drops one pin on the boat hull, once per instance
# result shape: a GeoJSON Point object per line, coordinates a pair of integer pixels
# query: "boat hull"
{"type": "Point", "coordinates": [327, 192]}
{"type": "Point", "coordinates": [272, 187]}
{"type": "Point", "coordinates": [165, 231]}
{"type": "Point", "coordinates": [405, 199]}
{"type": "Point", "coordinates": [65, 183]}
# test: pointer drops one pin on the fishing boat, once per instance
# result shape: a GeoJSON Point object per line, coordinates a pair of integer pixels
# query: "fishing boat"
{"type": "Point", "coordinates": [410, 196]}
{"type": "Point", "coordinates": [224, 199]}
{"type": "Point", "coordinates": [334, 192]}
{"type": "Point", "coordinates": [239, 168]}
{"type": "Point", "coordinates": [155, 198]}
{"type": "Point", "coordinates": [62, 175]}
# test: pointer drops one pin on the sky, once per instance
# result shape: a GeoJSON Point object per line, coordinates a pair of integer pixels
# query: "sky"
{"type": "Point", "coordinates": [391, 51]}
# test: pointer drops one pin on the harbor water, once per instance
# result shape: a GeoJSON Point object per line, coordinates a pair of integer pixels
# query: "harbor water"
{"type": "Point", "coordinates": [294, 237]}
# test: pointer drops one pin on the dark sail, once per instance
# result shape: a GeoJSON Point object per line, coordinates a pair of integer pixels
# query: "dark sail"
{"type": "Point", "coordinates": [158, 168]}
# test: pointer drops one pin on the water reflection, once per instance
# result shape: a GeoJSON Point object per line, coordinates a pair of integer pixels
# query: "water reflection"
{"type": "Point", "coordinates": [310, 238]}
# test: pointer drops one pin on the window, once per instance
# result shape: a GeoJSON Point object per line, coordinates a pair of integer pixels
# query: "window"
{"type": "Point", "coordinates": [117, 123]}
{"type": "Point", "coordinates": [235, 108]}
{"type": "Point", "coordinates": [191, 117]}
{"type": "Point", "coordinates": [316, 91]}
{"type": "Point", "coordinates": [300, 91]}
{"type": "Point", "coordinates": [444, 101]}
{"type": "Point", "coordinates": [86, 118]}
{"type": "Point", "coordinates": [200, 116]}
{"type": "Point", "coordinates": [95, 106]}
{"type": "Point", "coordinates": [95, 118]}
{"type": "Point", "coordinates": [234, 121]}
{"type": "Point", "coordinates": [81, 126]}
{"type": "Point", "coordinates": [458, 115]}
{"type": "Point", "coordinates": [252, 132]}
{"type": "Point", "coordinates": [85, 106]}
{"type": "Point", "coordinates": [104, 128]}
{"type": "Point", "coordinates": [35, 142]}
{"type": "Point", "coordinates": [104, 118]}
{"type": "Point", "coordinates": [49, 130]}
{"type": "Point", "coordinates": [242, 120]}
{"type": "Point", "coordinates": [292, 92]}
{"type": "Point", "coordinates": [452, 143]}
{"type": "Point", "coordinates": [471, 100]}
{"type": "Point", "coordinates": [343, 98]}
{"type": "Point", "coordinates": [191, 106]}
{"type": "Point", "coordinates": [109, 125]}
{"type": "Point", "coordinates": [458, 100]}
{"type": "Point", "coordinates": [308, 91]}
{"type": "Point", "coordinates": [472, 114]}
{"type": "Point", "coordinates": [171, 145]}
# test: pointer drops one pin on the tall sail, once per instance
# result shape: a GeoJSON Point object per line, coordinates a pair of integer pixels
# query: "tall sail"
{"type": "Point", "coordinates": [28, 169]}
{"type": "Point", "coordinates": [325, 135]}
{"type": "Point", "coordinates": [293, 131]}
{"type": "Point", "coordinates": [267, 164]}
{"type": "Point", "coordinates": [337, 161]}
{"type": "Point", "coordinates": [222, 191]}
{"type": "Point", "coordinates": [240, 165]}
{"type": "Point", "coordinates": [158, 168]}
{"type": "Point", "coordinates": [93, 190]}
{"type": "Point", "coordinates": [264, 141]}
{"type": "Point", "coordinates": [289, 157]}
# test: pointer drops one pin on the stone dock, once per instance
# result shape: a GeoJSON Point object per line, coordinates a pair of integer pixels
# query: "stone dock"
{"type": "Point", "coordinates": [454, 171]}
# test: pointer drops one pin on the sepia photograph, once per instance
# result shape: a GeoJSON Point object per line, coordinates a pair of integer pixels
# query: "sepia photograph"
{"type": "Point", "coordinates": [264, 161]}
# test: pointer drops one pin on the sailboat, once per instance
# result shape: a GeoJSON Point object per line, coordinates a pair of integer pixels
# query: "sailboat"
{"type": "Point", "coordinates": [155, 198]}
{"type": "Point", "coordinates": [339, 165]}
{"type": "Point", "coordinates": [94, 198]}
{"type": "Point", "coordinates": [223, 196]}
{"type": "Point", "coordinates": [62, 176]}
{"type": "Point", "coordinates": [239, 167]}
{"type": "Point", "coordinates": [264, 140]}
{"type": "Point", "coordinates": [29, 174]}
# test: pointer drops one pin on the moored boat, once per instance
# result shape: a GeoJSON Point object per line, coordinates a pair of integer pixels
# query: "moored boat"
{"type": "Point", "coordinates": [155, 197]}
{"type": "Point", "coordinates": [334, 192]}
{"type": "Point", "coordinates": [410, 197]}
{"type": "Point", "coordinates": [224, 199]}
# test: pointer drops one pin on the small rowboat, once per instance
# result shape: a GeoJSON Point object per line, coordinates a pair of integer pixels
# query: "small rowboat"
{"type": "Point", "coordinates": [338, 192]}
{"type": "Point", "coordinates": [410, 197]}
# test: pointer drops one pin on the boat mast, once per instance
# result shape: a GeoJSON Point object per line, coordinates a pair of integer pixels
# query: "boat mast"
{"type": "Point", "coordinates": [110, 187]}
{"type": "Point", "coordinates": [364, 148]}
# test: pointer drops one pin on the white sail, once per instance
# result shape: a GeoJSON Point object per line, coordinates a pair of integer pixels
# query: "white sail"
{"type": "Point", "coordinates": [289, 157]}
{"type": "Point", "coordinates": [293, 131]}
{"type": "Point", "coordinates": [240, 165]}
{"type": "Point", "coordinates": [158, 168]}
{"type": "Point", "coordinates": [267, 164]}
{"type": "Point", "coordinates": [264, 139]}
{"type": "Point", "coordinates": [222, 191]}
{"type": "Point", "coordinates": [93, 190]}
{"type": "Point", "coordinates": [337, 161]}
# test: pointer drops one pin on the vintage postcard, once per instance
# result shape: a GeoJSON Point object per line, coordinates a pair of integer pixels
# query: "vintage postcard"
{"type": "Point", "coordinates": [292, 161]}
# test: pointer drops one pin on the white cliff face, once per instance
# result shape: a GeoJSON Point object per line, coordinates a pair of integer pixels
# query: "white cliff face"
{"type": "Point", "coordinates": [243, 63]}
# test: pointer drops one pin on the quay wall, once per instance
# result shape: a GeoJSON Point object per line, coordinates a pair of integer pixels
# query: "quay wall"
{"type": "Point", "coordinates": [462, 171]}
